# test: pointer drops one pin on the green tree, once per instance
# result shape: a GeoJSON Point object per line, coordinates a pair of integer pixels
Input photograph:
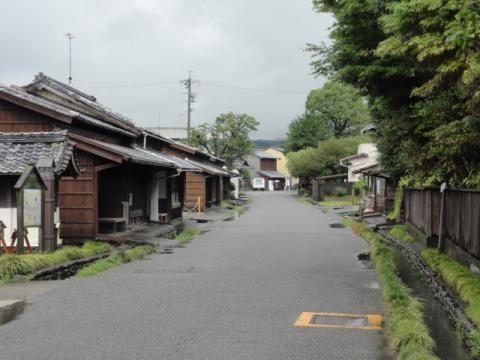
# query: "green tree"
{"type": "Point", "coordinates": [305, 131]}
{"type": "Point", "coordinates": [227, 138]}
{"type": "Point", "coordinates": [418, 61]}
{"type": "Point", "coordinates": [324, 159]}
{"type": "Point", "coordinates": [339, 108]}
{"type": "Point", "coordinates": [333, 110]}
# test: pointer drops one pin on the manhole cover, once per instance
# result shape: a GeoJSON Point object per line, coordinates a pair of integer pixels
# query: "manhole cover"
{"type": "Point", "coordinates": [339, 320]}
{"type": "Point", "coordinates": [337, 226]}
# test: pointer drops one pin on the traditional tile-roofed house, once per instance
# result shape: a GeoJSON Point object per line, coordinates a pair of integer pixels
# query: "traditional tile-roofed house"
{"type": "Point", "coordinates": [118, 182]}
{"type": "Point", "coordinates": [263, 164]}
{"type": "Point", "coordinates": [205, 186]}
{"type": "Point", "coordinates": [53, 154]}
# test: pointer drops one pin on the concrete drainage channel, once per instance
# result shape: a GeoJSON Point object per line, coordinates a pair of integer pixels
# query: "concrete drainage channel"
{"type": "Point", "coordinates": [443, 313]}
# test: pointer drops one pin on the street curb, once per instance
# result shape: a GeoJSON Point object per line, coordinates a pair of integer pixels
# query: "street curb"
{"type": "Point", "coordinates": [10, 309]}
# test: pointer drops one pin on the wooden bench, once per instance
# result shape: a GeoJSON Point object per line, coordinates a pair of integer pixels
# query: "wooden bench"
{"type": "Point", "coordinates": [113, 222]}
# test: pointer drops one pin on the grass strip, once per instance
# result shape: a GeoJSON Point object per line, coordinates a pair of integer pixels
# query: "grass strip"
{"type": "Point", "coordinates": [304, 200]}
{"type": "Point", "coordinates": [118, 258]}
{"type": "Point", "coordinates": [187, 235]}
{"type": "Point", "coordinates": [400, 232]}
{"type": "Point", "coordinates": [407, 333]}
{"type": "Point", "coordinates": [12, 264]}
{"type": "Point", "coordinates": [332, 201]}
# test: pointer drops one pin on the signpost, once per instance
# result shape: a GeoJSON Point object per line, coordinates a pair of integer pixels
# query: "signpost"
{"type": "Point", "coordinates": [30, 205]}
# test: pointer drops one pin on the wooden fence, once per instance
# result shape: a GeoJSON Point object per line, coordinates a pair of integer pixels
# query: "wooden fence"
{"type": "Point", "coordinates": [461, 215]}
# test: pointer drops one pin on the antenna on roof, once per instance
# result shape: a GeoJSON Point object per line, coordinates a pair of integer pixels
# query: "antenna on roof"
{"type": "Point", "coordinates": [69, 37]}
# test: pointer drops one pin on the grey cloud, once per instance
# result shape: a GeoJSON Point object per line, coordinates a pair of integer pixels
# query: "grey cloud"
{"type": "Point", "coordinates": [247, 44]}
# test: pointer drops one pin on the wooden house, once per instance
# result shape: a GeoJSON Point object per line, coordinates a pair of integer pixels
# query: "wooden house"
{"type": "Point", "coordinates": [52, 154]}
{"type": "Point", "coordinates": [382, 185]}
{"type": "Point", "coordinates": [206, 184]}
{"type": "Point", "coordinates": [120, 180]}
{"type": "Point", "coordinates": [264, 165]}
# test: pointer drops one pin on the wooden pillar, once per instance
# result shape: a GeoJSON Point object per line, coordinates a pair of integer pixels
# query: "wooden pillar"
{"type": "Point", "coordinates": [48, 242]}
{"type": "Point", "coordinates": [154, 183]}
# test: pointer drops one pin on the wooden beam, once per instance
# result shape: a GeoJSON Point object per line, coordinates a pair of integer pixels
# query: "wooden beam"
{"type": "Point", "coordinates": [106, 166]}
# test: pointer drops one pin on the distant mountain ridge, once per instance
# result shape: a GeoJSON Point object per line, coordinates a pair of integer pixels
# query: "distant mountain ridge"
{"type": "Point", "coordinates": [266, 143]}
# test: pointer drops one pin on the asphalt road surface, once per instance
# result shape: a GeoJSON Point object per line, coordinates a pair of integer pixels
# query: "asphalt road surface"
{"type": "Point", "coordinates": [233, 293]}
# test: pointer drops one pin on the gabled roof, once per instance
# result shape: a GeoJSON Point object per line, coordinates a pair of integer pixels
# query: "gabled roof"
{"type": "Point", "coordinates": [272, 174]}
{"type": "Point", "coordinates": [264, 155]}
{"type": "Point", "coordinates": [19, 150]}
{"type": "Point", "coordinates": [346, 160]}
{"type": "Point", "coordinates": [210, 168]}
{"type": "Point", "coordinates": [46, 107]}
{"type": "Point", "coordinates": [178, 162]}
{"type": "Point", "coordinates": [120, 153]}
{"type": "Point", "coordinates": [44, 82]}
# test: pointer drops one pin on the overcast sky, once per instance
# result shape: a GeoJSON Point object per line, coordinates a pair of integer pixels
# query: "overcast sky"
{"type": "Point", "coordinates": [246, 54]}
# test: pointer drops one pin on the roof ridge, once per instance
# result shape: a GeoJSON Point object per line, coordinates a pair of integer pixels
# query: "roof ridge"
{"type": "Point", "coordinates": [41, 76]}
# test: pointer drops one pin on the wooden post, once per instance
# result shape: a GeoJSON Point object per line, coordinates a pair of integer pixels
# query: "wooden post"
{"type": "Point", "coordinates": [442, 206]}
{"type": "Point", "coordinates": [47, 240]}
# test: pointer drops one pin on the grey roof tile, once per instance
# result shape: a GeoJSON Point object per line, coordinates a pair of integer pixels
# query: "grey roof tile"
{"type": "Point", "coordinates": [19, 150]}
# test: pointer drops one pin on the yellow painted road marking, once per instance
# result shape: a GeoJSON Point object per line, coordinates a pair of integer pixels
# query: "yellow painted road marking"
{"type": "Point", "coordinates": [374, 320]}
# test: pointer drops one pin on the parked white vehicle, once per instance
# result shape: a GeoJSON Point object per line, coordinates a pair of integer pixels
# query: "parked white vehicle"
{"type": "Point", "coordinates": [258, 184]}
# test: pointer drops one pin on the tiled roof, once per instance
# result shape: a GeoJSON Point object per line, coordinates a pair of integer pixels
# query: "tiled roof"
{"type": "Point", "coordinates": [210, 168]}
{"type": "Point", "coordinates": [77, 95]}
{"type": "Point", "coordinates": [264, 155]}
{"type": "Point", "coordinates": [272, 174]}
{"type": "Point", "coordinates": [18, 150]}
{"type": "Point", "coordinates": [22, 95]}
{"type": "Point", "coordinates": [178, 162]}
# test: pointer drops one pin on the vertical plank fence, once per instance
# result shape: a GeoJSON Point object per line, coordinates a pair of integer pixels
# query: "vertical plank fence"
{"type": "Point", "coordinates": [461, 215]}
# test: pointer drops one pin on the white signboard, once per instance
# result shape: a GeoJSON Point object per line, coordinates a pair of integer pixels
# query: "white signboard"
{"type": "Point", "coordinates": [32, 207]}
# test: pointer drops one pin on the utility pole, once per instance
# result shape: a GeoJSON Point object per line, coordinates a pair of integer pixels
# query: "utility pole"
{"type": "Point", "coordinates": [69, 37]}
{"type": "Point", "coordinates": [190, 100]}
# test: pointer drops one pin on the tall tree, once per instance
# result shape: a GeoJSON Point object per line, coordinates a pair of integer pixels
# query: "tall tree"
{"type": "Point", "coordinates": [227, 138]}
{"type": "Point", "coordinates": [305, 131]}
{"type": "Point", "coordinates": [339, 107]}
{"type": "Point", "coordinates": [333, 110]}
{"type": "Point", "coordinates": [418, 61]}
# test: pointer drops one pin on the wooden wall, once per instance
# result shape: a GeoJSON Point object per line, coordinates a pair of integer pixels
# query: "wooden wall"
{"type": "Point", "coordinates": [77, 203]}
{"type": "Point", "coordinates": [268, 164]}
{"type": "Point", "coordinates": [16, 119]}
{"type": "Point", "coordinates": [194, 188]}
{"type": "Point", "coordinates": [461, 215]}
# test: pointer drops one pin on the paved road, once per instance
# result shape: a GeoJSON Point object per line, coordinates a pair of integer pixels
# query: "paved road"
{"type": "Point", "coordinates": [233, 293]}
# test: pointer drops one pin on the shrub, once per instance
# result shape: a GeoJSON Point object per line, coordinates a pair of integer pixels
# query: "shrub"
{"type": "Point", "coordinates": [341, 192]}
{"type": "Point", "coordinates": [400, 232]}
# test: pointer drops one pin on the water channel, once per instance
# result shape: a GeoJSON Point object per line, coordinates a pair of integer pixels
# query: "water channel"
{"type": "Point", "coordinates": [449, 346]}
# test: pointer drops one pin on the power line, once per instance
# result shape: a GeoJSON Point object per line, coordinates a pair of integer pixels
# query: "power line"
{"type": "Point", "coordinates": [239, 87]}
{"type": "Point", "coordinates": [208, 84]}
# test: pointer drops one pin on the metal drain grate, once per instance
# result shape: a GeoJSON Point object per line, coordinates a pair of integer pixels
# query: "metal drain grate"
{"type": "Point", "coordinates": [337, 226]}
{"type": "Point", "coordinates": [339, 320]}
